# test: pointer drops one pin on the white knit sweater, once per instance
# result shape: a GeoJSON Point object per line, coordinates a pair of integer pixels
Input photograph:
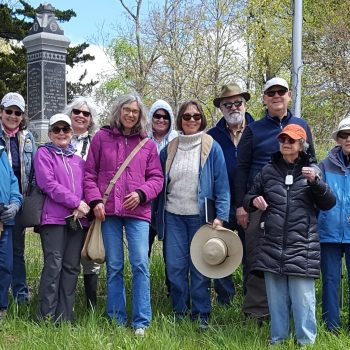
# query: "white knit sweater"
{"type": "Point", "coordinates": [182, 194]}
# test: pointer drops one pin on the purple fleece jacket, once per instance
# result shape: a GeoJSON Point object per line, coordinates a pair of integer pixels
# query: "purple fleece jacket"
{"type": "Point", "coordinates": [60, 176]}
{"type": "Point", "coordinates": [108, 150]}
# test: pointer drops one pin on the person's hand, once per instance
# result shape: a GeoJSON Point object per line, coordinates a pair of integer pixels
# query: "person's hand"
{"type": "Point", "coordinates": [83, 207]}
{"type": "Point", "coordinates": [217, 222]}
{"type": "Point", "coordinates": [260, 203]}
{"type": "Point", "coordinates": [242, 217]}
{"type": "Point", "coordinates": [78, 214]}
{"type": "Point", "coordinates": [9, 212]}
{"type": "Point", "coordinates": [131, 201]}
{"type": "Point", "coordinates": [309, 173]}
{"type": "Point", "coordinates": [99, 211]}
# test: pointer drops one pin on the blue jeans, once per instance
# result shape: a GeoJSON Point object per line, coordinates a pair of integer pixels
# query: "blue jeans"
{"type": "Point", "coordinates": [6, 263]}
{"type": "Point", "coordinates": [137, 236]}
{"type": "Point", "coordinates": [19, 286]}
{"type": "Point", "coordinates": [187, 284]}
{"type": "Point", "coordinates": [331, 254]}
{"type": "Point", "coordinates": [286, 294]}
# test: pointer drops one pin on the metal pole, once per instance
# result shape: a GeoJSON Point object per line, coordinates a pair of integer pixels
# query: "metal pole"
{"type": "Point", "coordinates": [297, 60]}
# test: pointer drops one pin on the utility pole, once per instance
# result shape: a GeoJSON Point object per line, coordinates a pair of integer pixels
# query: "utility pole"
{"type": "Point", "coordinates": [297, 56]}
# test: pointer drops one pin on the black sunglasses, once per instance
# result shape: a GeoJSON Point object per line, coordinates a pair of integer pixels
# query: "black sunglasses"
{"type": "Point", "coordinates": [11, 111]}
{"type": "Point", "coordinates": [283, 139]}
{"type": "Point", "coordinates": [160, 116]}
{"type": "Point", "coordinates": [273, 93]}
{"type": "Point", "coordinates": [229, 105]}
{"type": "Point", "coordinates": [188, 117]}
{"type": "Point", "coordinates": [343, 135]}
{"type": "Point", "coordinates": [56, 129]}
{"type": "Point", "coordinates": [78, 111]}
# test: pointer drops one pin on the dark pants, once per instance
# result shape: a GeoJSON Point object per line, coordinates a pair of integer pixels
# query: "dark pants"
{"type": "Point", "coordinates": [6, 263]}
{"type": "Point", "coordinates": [61, 248]}
{"type": "Point", "coordinates": [224, 287]}
{"type": "Point", "coordinates": [255, 300]}
{"type": "Point", "coordinates": [19, 286]}
{"type": "Point", "coordinates": [331, 254]}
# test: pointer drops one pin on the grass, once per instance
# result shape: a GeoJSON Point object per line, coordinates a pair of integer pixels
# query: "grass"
{"type": "Point", "coordinates": [92, 330]}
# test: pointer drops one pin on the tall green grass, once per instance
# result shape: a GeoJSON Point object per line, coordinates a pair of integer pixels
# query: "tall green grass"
{"type": "Point", "coordinates": [92, 330]}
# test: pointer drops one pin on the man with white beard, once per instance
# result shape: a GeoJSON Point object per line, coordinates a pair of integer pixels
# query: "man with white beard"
{"type": "Point", "coordinates": [227, 132]}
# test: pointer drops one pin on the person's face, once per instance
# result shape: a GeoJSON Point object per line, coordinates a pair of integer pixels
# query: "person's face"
{"type": "Point", "coordinates": [160, 122]}
{"type": "Point", "coordinates": [11, 117]}
{"type": "Point", "coordinates": [289, 147]}
{"type": "Point", "coordinates": [130, 114]}
{"type": "Point", "coordinates": [233, 110]}
{"type": "Point", "coordinates": [81, 119]}
{"type": "Point", "coordinates": [192, 125]}
{"type": "Point", "coordinates": [343, 139]}
{"type": "Point", "coordinates": [61, 134]}
{"type": "Point", "coordinates": [276, 100]}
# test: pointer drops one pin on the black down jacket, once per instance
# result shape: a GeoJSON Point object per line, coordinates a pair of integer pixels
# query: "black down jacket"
{"type": "Point", "coordinates": [290, 244]}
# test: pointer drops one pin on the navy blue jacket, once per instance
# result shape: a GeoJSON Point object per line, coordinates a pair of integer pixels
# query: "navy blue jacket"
{"type": "Point", "coordinates": [258, 143]}
{"type": "Point", "coordinates": [221, 135]}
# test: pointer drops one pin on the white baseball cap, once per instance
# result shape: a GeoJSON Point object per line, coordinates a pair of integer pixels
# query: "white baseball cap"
{"type": "Point", "coordinates": [60, 117]}
{"type": "Point", "coordinates": [275, 81]}
{"type": "Point", "coordinates": [14, 99]}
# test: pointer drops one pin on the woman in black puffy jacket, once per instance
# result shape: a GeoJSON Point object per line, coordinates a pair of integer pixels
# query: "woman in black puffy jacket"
{"type": "Point", "coordinates": [289, 190]}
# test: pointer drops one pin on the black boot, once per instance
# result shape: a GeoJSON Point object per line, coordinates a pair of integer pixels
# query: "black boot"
{"type": "Point", "coordinates": [90, 285]}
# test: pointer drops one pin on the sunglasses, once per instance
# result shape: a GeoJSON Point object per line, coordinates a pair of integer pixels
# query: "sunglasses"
{"type": "Point", "coordinates": [187, 117]}
{"type": "Point", "coordinates": [78, 111]}
{"type": "Point", "coordinates": [66, 129]}
{"type": "Point", "coordinates": [16, 113]}
{"type": "Point", "coordinates": [229, 105]}
{"type": "Point", "coordinates": [283, 139]}
{"type": "Point", "coordinates": [160, 116]}
{"type": "Point", "coordinates": [343, 135]}
{"type": "Point", "coordinates": [274, 92]}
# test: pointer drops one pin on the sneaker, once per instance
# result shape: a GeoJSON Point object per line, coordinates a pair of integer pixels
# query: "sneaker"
{"type": "Point", "coordinates": [140, 332]}
{"type": "Point", "coordinates": [3, 314]}
{"type": "Point", "coordinates": [203, 324]}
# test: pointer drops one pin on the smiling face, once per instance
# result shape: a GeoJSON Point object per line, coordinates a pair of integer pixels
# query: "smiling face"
{"type": "Point", "coordinates": [130, 114]}
{"type": "Point", "coordinates": [60, 134]}
{"type": "Point", "coordinates": [81, 119]}
{"type": "Point", "coordinates": [343, 139]}
{"type": "Point", "coordinates": [277, 104]}
{"type": "Point", "coordinates": [191, 126]}
{"type": "Point", "coordinates": [11, 117]}
{"type": "Point", "coordinates": [160, 122]}
{"type": "Point", "coordinates": [289, 147]}
{"type": "Point", "coordinates": [233, 109]}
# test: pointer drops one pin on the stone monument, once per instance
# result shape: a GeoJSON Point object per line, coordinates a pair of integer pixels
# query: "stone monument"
{"type": "Point", "coordinates": [46, 48]}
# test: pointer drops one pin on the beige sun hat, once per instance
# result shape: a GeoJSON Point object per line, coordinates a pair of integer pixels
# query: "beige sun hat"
{"type": "Point", "coordinates": [216, 253]}
{"type": "Point", "coordinates": [231, 90]}
{"type": "Point", "coordinates": [344, 125]}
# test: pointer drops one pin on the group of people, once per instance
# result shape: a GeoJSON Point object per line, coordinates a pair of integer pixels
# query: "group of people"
{"type": "Point", "coordinates": [290, 214]}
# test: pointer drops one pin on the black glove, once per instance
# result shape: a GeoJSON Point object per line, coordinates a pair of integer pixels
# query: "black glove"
{"type": "Point", "coordinates": [9, 212]}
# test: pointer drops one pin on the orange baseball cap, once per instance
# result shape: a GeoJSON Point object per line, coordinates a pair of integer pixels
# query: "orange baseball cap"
{"type": "Point", "coordinates": [294, 131]}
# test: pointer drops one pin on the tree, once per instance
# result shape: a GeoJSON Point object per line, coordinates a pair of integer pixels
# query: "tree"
{"type": "Point", "coordinates": [15, 23]}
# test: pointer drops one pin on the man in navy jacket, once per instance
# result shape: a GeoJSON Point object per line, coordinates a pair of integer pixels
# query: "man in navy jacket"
{"type": "Point", "coordinates": [228, 132]}
{"type": "Point", "coordinates": [257, 144]}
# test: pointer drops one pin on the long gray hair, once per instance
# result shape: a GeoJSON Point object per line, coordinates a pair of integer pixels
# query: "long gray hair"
{"type": "Point", "coordinates": [80, 102]}
{"type": "Point", "coordinates": [114, 118]}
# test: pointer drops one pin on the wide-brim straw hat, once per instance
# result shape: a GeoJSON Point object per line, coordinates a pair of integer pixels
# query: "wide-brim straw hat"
{"type": "Point", "coordinates": [216, 253]}
{"type": "Point", "coordinates": [230, 90]}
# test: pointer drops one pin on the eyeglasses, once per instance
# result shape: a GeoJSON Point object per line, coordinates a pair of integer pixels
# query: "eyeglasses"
{"type": "Point", "coordinates": [343, 135]}
{"type": "Point", "coordinates": [187, 117]}
{"type": "Point", "coordinates": [160, 116]}
{"type": "Point", "coordinates": [273, 93]}
{"type": "Point", "coordinates": [229, 105]}
{"type": "Point", "coordinates": [56, 129]}
{"type": "Point", "coordinates": [16, 113]}
{"type": "Point", "coordinates": [127, 110]}
{"type": "Point", "coordinates": [283, 139]}
{"type": "Point", "coordinates": [78, 111]}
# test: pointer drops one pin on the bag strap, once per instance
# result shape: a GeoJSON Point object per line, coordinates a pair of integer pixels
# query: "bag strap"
{"type": "Point", "coordinates": [121, 169]}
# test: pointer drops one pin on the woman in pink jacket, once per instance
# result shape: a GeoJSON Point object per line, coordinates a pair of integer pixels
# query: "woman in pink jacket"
{"type": "Point", "coordinates": [128, 205]}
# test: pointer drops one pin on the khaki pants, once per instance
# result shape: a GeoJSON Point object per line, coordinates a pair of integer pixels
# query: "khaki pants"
{"type": "Point", "coordinates": [255, 300]}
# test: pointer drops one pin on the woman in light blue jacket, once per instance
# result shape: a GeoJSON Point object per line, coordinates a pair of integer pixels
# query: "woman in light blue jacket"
{"type": "Point", "coordinates": [334, 225]}
{"type": "Point", "coordinates": [193, 166]}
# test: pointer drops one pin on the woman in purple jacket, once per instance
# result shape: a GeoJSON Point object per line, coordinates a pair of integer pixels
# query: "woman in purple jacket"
{"type": "Point", "coordinates": [128, 205]}
{"type": "Point", "coordinates": [59, 173]}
